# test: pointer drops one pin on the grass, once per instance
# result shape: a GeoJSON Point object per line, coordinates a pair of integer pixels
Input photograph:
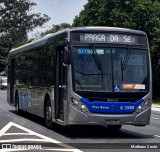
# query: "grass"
{"type": "Point", "coordinates": [156, 101]}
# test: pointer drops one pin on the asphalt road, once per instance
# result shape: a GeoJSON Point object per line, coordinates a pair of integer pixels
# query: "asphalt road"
{"type": "Point", "coordinates": [22, 131]}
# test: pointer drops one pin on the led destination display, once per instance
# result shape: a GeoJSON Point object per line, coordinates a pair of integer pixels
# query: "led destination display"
{"type": "Point", "coordinates": [108, 38]}
{"type": "Point", "coordinates": [115, 38]}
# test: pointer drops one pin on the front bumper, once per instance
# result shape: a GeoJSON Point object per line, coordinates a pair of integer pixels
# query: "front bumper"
{"type": "Point", "coordinates": [76, 117]}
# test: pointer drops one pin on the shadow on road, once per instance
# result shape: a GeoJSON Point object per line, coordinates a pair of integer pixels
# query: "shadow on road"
{"type": "Point", "coordinates": [86, 131]}
{"type": "Point", "coordinates": [98, 132]}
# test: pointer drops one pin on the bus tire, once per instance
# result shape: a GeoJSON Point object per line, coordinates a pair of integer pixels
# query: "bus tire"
{"type": "Point", "coordinates": [114, 127]}
{"type": "Point", "coordinates": [18, 111]}
{"type": "Point", "coordinates": [48, 115]}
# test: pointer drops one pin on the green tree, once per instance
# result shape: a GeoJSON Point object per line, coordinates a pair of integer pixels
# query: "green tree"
{"type": "Point", "coordinates": [56, 28]}
{"type": "Point", "coordinates": [17, 20]}
{"type": "Point", "coordinates": [136, 14]}
{"type": "Point", "coordinates": [105, 13]}
{"type": "Point", "coordinates": [4, 49]}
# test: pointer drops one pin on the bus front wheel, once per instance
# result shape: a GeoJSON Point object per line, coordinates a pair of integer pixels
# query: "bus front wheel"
{"type": "Point", "coordinates": [48, 115]}
{"type": "Point", "coordinates": [18, 111]}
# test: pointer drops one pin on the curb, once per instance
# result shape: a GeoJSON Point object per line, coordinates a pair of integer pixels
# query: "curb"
{"type": "Point", "coordinates": [155, 105]}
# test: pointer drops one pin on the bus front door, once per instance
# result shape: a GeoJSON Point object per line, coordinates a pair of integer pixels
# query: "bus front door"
{"type": "Point", "coordinates": [59, 85]}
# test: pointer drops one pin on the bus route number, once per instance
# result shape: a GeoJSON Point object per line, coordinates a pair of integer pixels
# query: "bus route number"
{"type": "Point", "coordinates": [127, 107]}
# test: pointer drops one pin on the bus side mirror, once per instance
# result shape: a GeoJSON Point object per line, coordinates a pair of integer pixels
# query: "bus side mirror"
{"type": "Point", "coordinates": [66, 57]}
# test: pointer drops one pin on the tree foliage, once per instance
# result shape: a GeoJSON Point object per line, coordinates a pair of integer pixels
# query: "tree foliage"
{"type": "Point", "coordinates": [136, 14]}
{"type": "Point", "coordinates": [57, 27]}
{"type": "Point", "coordinates": [4, 49]}
{"type": "Point", "coordinates": [16, 19]}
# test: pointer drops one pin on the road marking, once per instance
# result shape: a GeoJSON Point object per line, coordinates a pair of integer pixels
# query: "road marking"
{"type": "Point", "coordinates": [5, 128]}
{"type": "Point", "coordinates": [155, 109]}
{"type": "Point", "coordinates": [30, 132]}
{"type": "Point", "coordinates": [10, 134]}
{"type": "Point", "coordinates": [24, 139]}
{"type": "Point", "coordinates": [58, 149]}
{"type": "Point", "coordinates": [154, 118]}
{"type": "Point", "coordinates": [157, 136]}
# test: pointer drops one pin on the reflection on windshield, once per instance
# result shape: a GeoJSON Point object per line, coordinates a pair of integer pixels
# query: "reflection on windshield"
{"type": "Point", "coordinates": [133, 76]}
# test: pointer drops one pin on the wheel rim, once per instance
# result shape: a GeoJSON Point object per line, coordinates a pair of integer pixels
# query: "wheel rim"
{"type": "Point", "coordinates": [17, 104]}
{"type": "Point", "coordinates": [48, 115]}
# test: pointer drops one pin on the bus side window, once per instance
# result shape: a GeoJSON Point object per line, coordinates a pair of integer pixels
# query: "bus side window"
{"type": "Point", "coordinates": [29, 67]}
{"type": "Point", "coordinates": [50, 65]}
{"type": "Point", "coordinates": [35, 68]}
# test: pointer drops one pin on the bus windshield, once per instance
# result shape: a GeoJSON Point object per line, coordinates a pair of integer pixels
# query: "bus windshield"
{"type": "Point", "coordinates": [122, 69]}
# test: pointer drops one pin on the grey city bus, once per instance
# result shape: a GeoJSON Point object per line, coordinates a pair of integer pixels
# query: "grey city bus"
{"type": "Point", "coordinates": [84, 76]}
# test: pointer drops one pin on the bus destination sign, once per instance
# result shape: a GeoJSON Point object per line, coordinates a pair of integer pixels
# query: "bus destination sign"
{"type": "Point", "coordinates": [109, 38]}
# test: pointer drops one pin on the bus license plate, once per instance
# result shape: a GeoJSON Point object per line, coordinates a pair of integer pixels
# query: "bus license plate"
{"type": "Point", "coordinates": [112, 122]}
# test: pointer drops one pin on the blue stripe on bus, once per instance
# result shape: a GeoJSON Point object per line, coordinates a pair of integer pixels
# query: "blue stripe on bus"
{"type": "Point", "coordinates": [111, 107]}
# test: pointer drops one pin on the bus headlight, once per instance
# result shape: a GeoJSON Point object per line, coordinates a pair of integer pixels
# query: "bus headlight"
{"type": "Point", "coordinates": [143, 106]}
{"type": "Point", "coordinates": [83, 107]}
{"type": "Point", "coordinates": [78, 105]}
{"type": "Point", "coordinates": [75, 102]}
{"type": "Point", "coordinates": [147, 103]}
{"type": "Point", "coordinates": [139, 108]}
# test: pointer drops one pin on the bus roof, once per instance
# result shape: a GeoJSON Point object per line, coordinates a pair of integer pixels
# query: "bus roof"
{"type": "Point", "coordinates": [107, 29]}
{"type": "Point", "coordinates": [39, 42]}
{"type": "Point", "coordinates": [61, 35]}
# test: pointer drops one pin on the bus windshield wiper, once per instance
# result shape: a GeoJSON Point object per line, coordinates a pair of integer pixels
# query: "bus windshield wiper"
{"type": "Point", "coordinates": [96, 58]}
{"type": "Point", "coordinates": [124, 62]}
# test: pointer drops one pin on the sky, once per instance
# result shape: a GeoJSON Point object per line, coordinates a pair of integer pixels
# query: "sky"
{"type": "Point", "coordinates": [60, 11]}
